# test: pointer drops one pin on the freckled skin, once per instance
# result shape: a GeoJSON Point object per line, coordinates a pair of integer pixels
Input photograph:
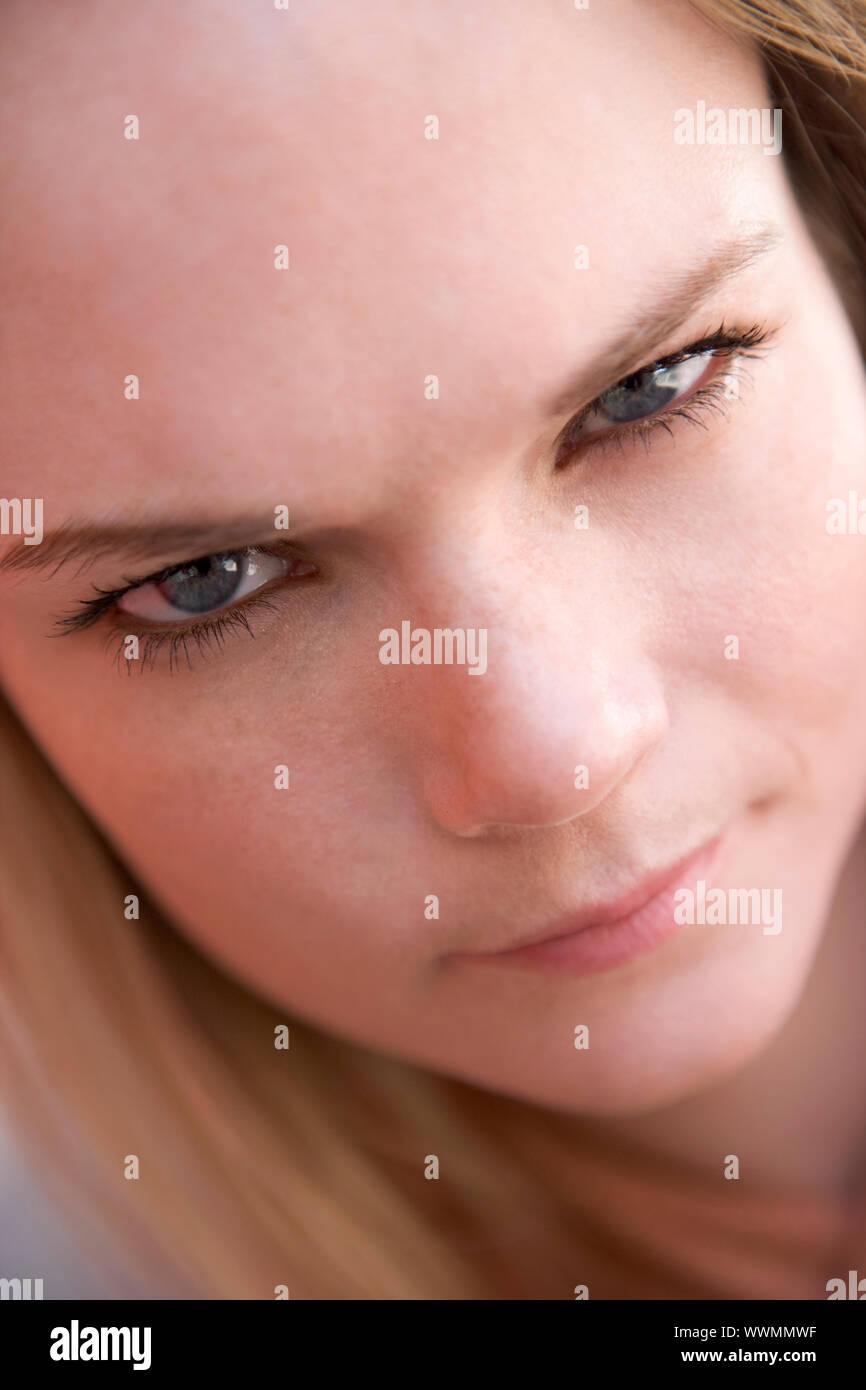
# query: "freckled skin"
{"type": "Point", "coordinates": [306, 387]}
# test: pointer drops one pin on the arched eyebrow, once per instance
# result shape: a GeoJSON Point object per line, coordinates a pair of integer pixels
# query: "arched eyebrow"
{"type": "Point", "coordinates": [677, 302]}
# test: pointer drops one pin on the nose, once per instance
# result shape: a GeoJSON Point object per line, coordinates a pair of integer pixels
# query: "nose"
{"type": "Point", "coordinates": [563, 713]}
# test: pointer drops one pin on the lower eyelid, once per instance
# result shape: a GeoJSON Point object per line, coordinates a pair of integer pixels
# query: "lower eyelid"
{"type": "Point", "coordinates": [176, 642]}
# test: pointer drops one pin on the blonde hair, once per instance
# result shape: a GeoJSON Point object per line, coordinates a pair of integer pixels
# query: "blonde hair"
{"type": "Point", "coordinates": [304, 1168]}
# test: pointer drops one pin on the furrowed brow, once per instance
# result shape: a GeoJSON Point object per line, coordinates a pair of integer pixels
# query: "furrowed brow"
{"type": "Point", "coordinates": [156, 542]}
{"type": "Point", "coordinates": [675, 306]}
{"type": "Point", "coordinates": [144, 543]}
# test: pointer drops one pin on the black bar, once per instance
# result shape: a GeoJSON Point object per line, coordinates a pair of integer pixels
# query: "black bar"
{"type": "Point", "coordinates": [405, 1342]}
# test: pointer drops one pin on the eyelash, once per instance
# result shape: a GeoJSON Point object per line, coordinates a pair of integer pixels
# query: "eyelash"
{"type": "Point", "coordinates": [207, 633]}
{"type": "Point", "coordinates": [203, 635]}
{"type": "Point", "coordinates": [737, 345]}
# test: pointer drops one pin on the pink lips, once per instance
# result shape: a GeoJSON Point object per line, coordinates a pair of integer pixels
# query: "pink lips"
{"type": "Point", "coordinates": [600, 938]}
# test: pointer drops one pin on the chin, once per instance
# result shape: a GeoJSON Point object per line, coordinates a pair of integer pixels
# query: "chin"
{"type": "Point", "coordinates": [646, 1075]}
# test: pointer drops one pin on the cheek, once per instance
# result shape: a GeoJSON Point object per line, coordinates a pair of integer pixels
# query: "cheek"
{"type": "Point", "coordinates": [772, 606]}
{"type": "Point", "coordinates": [802, 591]}
{"type": "Point", "coordinates": [278, 874]}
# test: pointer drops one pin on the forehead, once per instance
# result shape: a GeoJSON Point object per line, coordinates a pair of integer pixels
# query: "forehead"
{"type": "Point", "coordinates": [408, 255]}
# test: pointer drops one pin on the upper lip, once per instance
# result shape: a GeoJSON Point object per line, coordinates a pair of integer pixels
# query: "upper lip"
{"type": "Point", "coordinates": [613, 910]}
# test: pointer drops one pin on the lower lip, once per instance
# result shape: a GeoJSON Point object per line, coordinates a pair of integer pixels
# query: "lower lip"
{"type": "Point", "coordinates": [601, 947]}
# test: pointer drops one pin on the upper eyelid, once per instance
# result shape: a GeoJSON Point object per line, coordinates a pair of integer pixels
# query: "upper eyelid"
{"type": "Point", "coordinates": [761, 334]}
{"type": "Point", "coordinates": [160, 576]}
{"type": "Point", "coordinates": [284, 547]}
{"type": "Point", "coordinates": [700, 348]}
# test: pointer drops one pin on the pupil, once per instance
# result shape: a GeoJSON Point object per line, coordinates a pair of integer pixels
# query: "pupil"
{"type": "Point", "coordinates": [204, 584]}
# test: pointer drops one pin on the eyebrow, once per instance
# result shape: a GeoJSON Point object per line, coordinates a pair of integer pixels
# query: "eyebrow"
{"type": "Point", "coordinates": [150, 541]}
{"type": "Point", "coordinates": [683, 295]}
{"type": "Point", "coordinates": [146, 542]}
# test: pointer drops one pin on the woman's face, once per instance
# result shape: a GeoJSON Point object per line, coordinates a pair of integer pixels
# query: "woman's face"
{"type": "Point", "coordinates": [691, 639]}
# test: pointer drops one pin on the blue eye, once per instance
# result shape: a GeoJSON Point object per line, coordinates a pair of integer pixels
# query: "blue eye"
{"type": "Point", "coordinates": [208, 585]}
{"type": "Point", "coordinates": [205, 584]}
{"type": "Point", "coordinates": [689, 383]}
{"type": "Point", "coordinates": [643, 394]}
